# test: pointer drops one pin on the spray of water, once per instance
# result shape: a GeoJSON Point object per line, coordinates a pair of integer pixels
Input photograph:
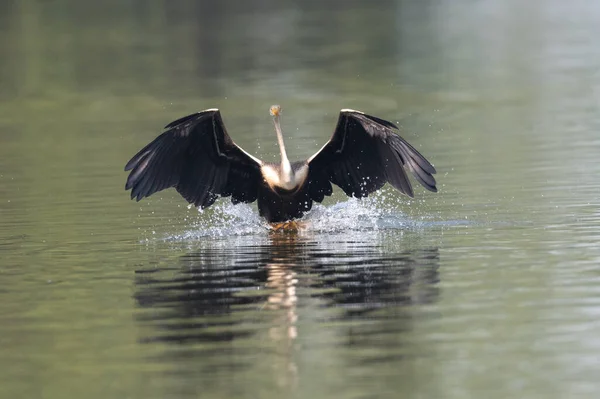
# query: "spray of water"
{"type": "Point", "coordinates": [378, 212]}
{"type": "Point", "coordinates": [223, 220]}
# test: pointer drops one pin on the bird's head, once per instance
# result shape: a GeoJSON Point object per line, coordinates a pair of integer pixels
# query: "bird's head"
{"type": "Point", "coordinates": [275, 110]}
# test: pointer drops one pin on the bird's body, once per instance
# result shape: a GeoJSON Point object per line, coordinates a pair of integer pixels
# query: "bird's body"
{"type": "Point", "coordinates": [280, 202]}
{"type": "Point", "coordinates": [197, 157]}
{"type": "Point", "coordinates": [272, 174]}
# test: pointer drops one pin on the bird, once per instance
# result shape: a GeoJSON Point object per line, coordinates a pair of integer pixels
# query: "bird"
{"type": "Point", "coordinates": [197, 157]}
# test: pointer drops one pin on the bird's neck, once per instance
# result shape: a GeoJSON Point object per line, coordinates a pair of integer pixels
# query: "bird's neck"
{"type": "Point", "coordinates": [286, 173]}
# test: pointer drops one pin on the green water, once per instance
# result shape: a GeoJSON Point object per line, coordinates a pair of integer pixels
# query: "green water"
{"type": "Point", "coordinates": [489, 288]}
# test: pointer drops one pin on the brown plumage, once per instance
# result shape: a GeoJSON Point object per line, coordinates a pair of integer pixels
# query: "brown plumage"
{"type": "Point", "coordinates": [197, 157]}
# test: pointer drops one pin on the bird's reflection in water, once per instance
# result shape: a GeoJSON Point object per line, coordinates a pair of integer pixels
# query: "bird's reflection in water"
{"type": "Point", "coordinates": [282, 281]}
{"type": "Point", "coordinates": [282, 270]}
{"type": "Point", "coordinates": [244, 298]}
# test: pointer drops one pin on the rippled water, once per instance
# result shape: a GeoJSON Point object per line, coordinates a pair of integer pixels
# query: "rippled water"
{"type": "Point", "coordinates": [489, 288]}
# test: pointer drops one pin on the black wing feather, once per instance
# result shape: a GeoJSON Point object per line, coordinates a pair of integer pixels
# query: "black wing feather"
{"type": "Point", "coordinates": [363, 154]}
{"type": "Point", "coordinates": [197, 157]}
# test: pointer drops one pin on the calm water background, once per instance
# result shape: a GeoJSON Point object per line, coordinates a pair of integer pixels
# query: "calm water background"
{"type": "Point", "coordinates": [488, 289]}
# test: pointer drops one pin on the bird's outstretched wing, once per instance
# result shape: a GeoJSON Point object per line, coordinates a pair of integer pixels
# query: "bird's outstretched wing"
{"type": "Point", "coordinates": [363, 154]}
{"type": "Point", "coordinates": [197, 157]}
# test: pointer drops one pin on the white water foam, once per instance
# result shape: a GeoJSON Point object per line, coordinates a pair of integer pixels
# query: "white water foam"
{"type": "Point", "coordinates": [224, 220]}
{"type": "Point", "coordinates": [368, 214]}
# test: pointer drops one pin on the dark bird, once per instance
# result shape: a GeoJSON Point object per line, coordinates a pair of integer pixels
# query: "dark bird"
{"type": "Point", "coordinates": [197, 157]}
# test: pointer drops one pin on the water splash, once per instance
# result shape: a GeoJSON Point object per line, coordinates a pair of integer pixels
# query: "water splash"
{"type": "Point", "coordinates": [223, 219]}
{"type": "Point", "coordinates": [377, 212]}
{"type": "Point", "coordinates": [354, 214]}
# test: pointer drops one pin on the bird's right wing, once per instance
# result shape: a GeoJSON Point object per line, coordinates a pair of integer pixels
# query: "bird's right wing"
{"type": "Point", "coordinates": [197, 157]}
{"type": "Point", "coordinates": [363, 154]}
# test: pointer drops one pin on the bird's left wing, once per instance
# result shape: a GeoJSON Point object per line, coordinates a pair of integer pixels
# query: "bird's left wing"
{"type": "Point", "coordinates": [197, 157]}
{"type": "Point", "coordinates": [363, 154]}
